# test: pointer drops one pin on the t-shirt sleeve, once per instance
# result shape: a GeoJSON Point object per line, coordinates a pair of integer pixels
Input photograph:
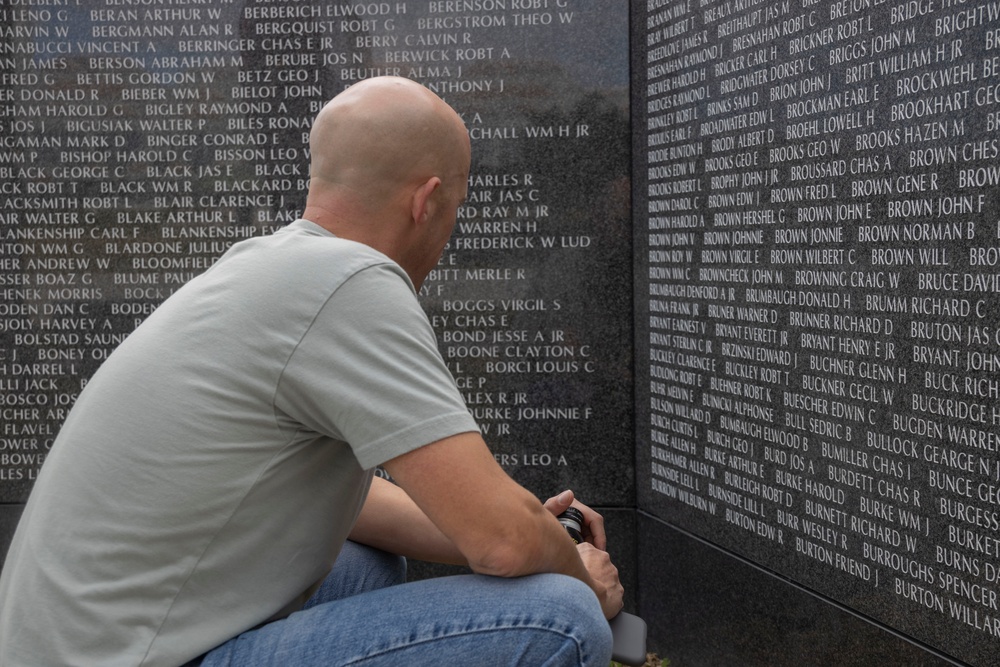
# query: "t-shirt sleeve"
{"type": "Point", "coordinates": [368, 371]}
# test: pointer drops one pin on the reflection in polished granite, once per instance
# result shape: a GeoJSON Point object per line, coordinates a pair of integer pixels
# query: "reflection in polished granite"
{"type": "Point", "coordinates": [707, 607]}
{"type": "Point", "coordinates": [9, 515]}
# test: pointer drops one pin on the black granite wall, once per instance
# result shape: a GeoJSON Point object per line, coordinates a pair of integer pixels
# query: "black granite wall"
{"type": "Point", "coordinates": [816, 244]}
{"type": "Point", "coordinates": [139, 140]}
{"type": "Point", "coordinates": [800, 462]}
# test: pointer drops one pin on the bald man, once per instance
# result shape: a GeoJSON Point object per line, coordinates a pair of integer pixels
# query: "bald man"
{"type": "Point", "coordinates": [210, 498]}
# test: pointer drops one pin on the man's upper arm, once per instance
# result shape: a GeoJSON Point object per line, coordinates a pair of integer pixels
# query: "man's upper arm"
{"type": "Point", "coordinates": [368, 371]}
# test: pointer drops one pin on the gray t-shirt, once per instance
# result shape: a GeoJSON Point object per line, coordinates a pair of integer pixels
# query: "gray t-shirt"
{"type": "Point", "coordinates": [212, 468]}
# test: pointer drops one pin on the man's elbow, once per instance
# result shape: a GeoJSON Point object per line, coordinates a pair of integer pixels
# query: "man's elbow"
{"type": "Point", "coordinates": [507, 558]}
{"type": "Point", "coordinates": [516, 552]}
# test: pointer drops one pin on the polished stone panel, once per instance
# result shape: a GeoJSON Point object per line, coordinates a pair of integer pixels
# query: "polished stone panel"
{"type": "Point", "coordinates": [815, 197]}
{"type": "Point", "coordinates": [9, 515]}
{"type": "Point", "coordinates": [160, 138]}
{"type": "Point", "coordinates": [705, 607]}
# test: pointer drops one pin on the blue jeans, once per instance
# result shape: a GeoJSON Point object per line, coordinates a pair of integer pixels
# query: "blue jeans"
{"type": "Point", "coordinates": [364, 615]}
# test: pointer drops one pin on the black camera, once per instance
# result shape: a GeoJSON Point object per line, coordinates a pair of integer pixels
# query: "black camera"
{"type": "Point", "coordinates": [572, 521]}
{"type": "Point", "coordinates": [628, 631]}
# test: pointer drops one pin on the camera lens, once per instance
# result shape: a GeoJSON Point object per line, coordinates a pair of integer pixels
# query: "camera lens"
{"type": "Point", "coordinates": [572, 521]}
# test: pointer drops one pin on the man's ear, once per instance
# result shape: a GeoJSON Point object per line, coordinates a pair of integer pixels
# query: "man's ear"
{"type": "Point", "coordinates": [422, 204]}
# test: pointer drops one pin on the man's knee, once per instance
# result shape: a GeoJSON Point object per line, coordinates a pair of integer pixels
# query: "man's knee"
{"type": "Point", "coordinates": [571, 604]}
{"type": "Point", "coordinates": [573, 598]}
{"type": "Point", "coordinates": [567, 589]}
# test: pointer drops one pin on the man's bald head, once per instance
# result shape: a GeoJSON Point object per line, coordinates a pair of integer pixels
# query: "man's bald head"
{"type": "Point", "coordinates": [384, 133]}
{"type": "Point", "coordinates": [390, 166]}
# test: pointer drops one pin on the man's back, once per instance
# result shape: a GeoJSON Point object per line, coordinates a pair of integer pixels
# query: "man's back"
{"type": "Point", "coordinates": [197, 466]}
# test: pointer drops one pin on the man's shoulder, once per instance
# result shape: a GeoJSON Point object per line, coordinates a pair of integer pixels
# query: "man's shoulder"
{"type": "Point", "coordinates": [308, 252]}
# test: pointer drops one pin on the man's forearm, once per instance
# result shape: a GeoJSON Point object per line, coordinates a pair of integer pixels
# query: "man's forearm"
{"type": "Point", "coordinates": [542, 545]}
{"type": "Point", "coordinates": [391, 521]}
{"type": "Point", "coordinates": [497, 525]}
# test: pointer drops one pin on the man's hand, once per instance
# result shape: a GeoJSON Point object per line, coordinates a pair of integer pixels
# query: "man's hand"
{"type": "Point", "coordinates": [593, 523]}
{"type": "Point", "coordinates": [603, 572]}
